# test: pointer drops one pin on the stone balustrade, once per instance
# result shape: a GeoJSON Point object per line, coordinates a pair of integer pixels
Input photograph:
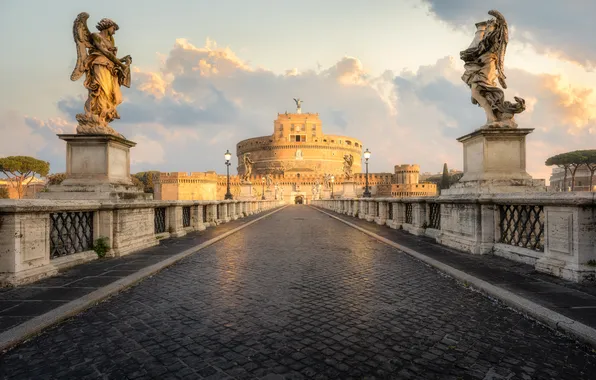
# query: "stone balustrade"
{"type": "Point", "coordinates": [40, 237]}
{"type": "Point", "coordinates": [555, 232]}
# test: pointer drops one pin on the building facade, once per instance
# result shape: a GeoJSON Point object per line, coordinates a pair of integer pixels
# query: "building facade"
{"type": "Point", "coordinates": [299, 145]}
{"type": "Point", "coordinates": [296, 157]}
{"type": "Point", "coordinates": [582, 180]}
{"type": "Point", "coordinates": [30, 188]}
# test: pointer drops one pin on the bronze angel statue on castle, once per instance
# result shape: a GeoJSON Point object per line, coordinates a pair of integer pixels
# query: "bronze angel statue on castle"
{"type": "Point", "coordinates": [484, 65]}
{"type": "Point", "coordinates": [104, 74]}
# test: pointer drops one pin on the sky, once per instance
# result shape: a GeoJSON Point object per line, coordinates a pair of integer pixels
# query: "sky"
{"type": "Point", "coordinates": [208, 74]}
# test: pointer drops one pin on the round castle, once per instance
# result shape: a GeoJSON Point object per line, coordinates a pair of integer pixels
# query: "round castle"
{"type": "Point", "coordinates": [298, 145]}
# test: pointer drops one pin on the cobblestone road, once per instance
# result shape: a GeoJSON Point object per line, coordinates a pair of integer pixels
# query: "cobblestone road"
{"type": "Point", "coordinates": [299, 295]}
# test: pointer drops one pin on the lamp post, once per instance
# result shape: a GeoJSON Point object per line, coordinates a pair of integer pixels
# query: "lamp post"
{"type": "Point", "coordinates": [332, 181]}
{"type": "Point", "coordinates": [366, 190]}
{"type": "Point", "coordinates": [263, 182]}
{"type": "Point", "coordinates": [228, 157]}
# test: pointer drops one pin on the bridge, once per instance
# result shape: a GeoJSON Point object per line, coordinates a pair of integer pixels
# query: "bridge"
{"type": "Point", "coordinates": [261, 290]}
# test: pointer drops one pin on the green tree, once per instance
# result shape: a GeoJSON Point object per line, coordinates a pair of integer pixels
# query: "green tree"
{"type": "Point", "coordinates": [445, 180]}
{"type": "Point", "coordinates": [149, 179]}
{"type": "Point", "coordinates": [137, 182]}
{"type": "Point", "coordinates": [591, 164]}
{"type": "Point", "coordinates": [569, 161]}
{"type": "Point", "coordinates": [589, 159]}
{"type": "Point", "coordinates": [20, 170]}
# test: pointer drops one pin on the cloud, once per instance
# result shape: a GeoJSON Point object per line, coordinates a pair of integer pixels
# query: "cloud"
{"type": "Point", "coordinates": [203, 100]}
{"type": "Point", "coordinates": [148, 151]}
{"type": "Point", "coordinates": [556, 28]}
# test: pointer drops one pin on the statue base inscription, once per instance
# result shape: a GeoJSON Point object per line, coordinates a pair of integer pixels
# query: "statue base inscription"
{"type": "Point", "coordinates": [97, 167]}
{"type": "Point", "coordinates": [495, 162]}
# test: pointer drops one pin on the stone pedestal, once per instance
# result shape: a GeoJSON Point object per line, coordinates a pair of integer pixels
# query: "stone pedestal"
{"type": "Point", "coordinates": [97, 168]}
{"type": "Point", "coordinates": [495, 162]}
{"type": "Point", "coordinates": [326, 194]}
{"type": "Point", "coordinates": [246, 191]}
{"type": "Point", "coordinates": [349, 190]}
{"type": "Point", "coordinates": [269, 195]}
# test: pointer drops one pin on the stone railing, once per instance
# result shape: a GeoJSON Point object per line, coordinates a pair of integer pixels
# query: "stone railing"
{"type": "Point", "coordinates": [40, 237]}
{"type": "Point", "coordinates": [555, 232]}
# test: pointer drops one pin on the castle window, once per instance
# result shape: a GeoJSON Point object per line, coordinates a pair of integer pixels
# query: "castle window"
{"type": "Point", "coordinates": [348, 142]}
{"type": "Point", "coordinates": [325, 140]}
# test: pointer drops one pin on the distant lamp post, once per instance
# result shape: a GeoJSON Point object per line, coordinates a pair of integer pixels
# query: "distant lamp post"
{"type": "Point", "coordinates": [366, 190]}
{"type": "Point", "coordinates": [332, 182]}
{"type": "Point", "coordinates": [228, 157]}
{"type": "Point", "coordinates": [263, 182]}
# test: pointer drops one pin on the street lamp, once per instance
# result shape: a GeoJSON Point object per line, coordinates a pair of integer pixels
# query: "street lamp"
{"type": "Point", "coordinates": [332, 181]}
{"type": "Point", "coordinates": [366, 190]}
{"type": "Point", "coordinates": [263, 182]}
{"type": "Point", "coordinates": [228, 157]}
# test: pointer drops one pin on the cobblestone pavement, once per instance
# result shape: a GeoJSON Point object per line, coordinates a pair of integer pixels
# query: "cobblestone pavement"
{"type": "Point", "coordinates": [299, 295]}
{"type": "Point", "coordinates": [20, 304]}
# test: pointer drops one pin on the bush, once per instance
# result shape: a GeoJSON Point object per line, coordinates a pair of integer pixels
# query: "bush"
{"type": "Point", "coordinates": [56, 179]}
{"type": "Point", "coordinates": [137, 182]}
{"type": "Point", "coordinates": [101, 246]}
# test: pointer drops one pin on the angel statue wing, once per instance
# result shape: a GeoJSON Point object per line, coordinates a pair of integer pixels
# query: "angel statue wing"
{"type": "Point", "coordinates": [298, 101]}
{"type": "Point", "coordinates": [502, 38]}
{"type": "Point", "coordinates": [82, 38]}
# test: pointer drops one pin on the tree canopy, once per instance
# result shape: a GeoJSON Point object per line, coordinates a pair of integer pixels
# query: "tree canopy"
{"type": "Point", "coordinates": [22, 169]}
{"type": "Point", "coordinates": [148, 179]}
{"type": "Point", "coordinates": [572, 161]}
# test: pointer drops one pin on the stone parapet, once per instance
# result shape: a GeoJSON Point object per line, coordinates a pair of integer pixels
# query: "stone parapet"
{"type": "Point", "coordinates": [39, 237]}
{"type": "Point", "coordinates": [555, 232]}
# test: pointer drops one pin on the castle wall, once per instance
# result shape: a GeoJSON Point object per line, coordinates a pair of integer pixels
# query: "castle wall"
{"type": "Point", "coordinates": [298, 144]}
{"type": "Point", "coordinates": [187, 186]}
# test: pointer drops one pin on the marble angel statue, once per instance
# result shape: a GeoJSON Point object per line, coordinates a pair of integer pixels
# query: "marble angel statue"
{"type": "Point", "coordinates": [348, 161]}
{"type": "Point", "coordinates": [327, 181]}
{"type": "Point", "coordinates": [268, 181]}
{"type": "Point", "coordinates": [247, 168]}
{"type": "Point", "coordinates": [104, 74]}
{"type": "Point", "coordinates": [484, 66]}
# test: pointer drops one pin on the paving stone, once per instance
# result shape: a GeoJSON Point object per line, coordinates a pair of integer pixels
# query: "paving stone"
{"type": "Point", "coordinates": [298, 296]}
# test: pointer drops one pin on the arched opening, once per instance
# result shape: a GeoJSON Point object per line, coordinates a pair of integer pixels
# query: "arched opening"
{"type": "Point", "coordinates": [299, 199]}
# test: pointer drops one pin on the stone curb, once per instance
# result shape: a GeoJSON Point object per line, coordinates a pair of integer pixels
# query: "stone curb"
{"type": "Point", "coordinates": [542, 314]}
{"type": "Point", "coordinates": [34, 326]}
